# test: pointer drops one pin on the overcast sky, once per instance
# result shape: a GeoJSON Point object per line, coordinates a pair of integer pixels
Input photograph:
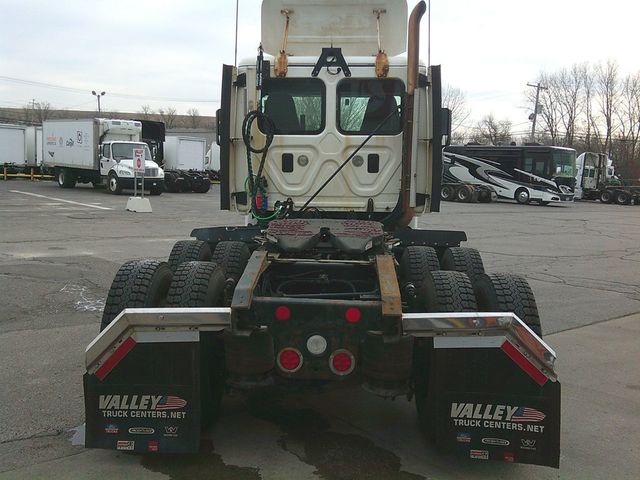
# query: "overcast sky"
{"type": "Point", "coordinates": [163, 53]}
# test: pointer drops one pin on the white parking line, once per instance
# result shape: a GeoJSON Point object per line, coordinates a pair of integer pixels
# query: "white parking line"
{"type": "Point", "coordinates": [60, 200]}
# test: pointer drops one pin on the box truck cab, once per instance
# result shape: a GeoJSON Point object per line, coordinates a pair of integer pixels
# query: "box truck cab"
{"type": "Point", "coordinates": [98, 151]}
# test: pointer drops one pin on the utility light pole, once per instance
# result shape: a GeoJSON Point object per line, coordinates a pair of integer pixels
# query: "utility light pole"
{"type": "Point", "coordinates": [538, 87]}
{"type": "Point", "coordinates": [98, 95]}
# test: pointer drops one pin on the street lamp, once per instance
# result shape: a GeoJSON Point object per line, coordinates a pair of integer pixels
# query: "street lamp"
{"type": "Point", "coordinates": [98, 95]}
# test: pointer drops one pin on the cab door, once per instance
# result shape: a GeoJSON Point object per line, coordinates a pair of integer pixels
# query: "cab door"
{"type": "Point", "coordinates": [106, 160]}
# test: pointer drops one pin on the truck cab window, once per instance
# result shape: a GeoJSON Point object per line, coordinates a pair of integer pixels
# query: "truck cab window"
{"type": "Point", "coordinates": [106, 150]}
{"type": "Point", "coordinates": [364, 103]}
{"type": "Point", "coordinates": [295, 105]}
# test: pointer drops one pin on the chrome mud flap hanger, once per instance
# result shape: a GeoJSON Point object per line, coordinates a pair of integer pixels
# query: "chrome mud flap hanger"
{"type": "Point", "coordinates": [503, 331]}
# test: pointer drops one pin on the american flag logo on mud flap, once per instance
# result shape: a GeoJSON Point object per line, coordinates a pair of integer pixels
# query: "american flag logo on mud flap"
{"type": "Point", "coordinates": [526, 414]}
{"type": "Point", "coordinates": [169, 402]}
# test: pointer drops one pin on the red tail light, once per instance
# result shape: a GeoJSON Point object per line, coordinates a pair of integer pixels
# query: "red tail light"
{"type": "Point", "coordinates": [342, 362]}
{"type": "Point", "coordinates": [282, 313]}
{"type": "Point", "coordinates": [290, 359]}
{"type": "Point", "coordinates": [352, 315]}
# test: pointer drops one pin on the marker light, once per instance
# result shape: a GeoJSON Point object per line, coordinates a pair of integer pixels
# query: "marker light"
{"type": "Point", "coordinates": [282, 313]}
{"type": "Point", "coordinates": [352, 315]}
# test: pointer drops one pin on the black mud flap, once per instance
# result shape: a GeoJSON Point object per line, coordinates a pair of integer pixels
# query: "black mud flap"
{"type": "Point", "coordinates": [486, 407]}
{"type": "Point", "coordinates": [146, 398]}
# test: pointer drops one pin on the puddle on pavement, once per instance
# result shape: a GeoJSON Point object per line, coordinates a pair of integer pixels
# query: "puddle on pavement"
{"type": "Point", "coordinates": [203, 465]}
{"type": "Point", "coordinates": [336, 456]}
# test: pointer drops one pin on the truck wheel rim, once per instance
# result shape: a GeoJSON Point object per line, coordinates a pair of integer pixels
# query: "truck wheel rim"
{"type": "Point", "coordinates": [113, 184]}
{"type": "Point", "coordinates": [61, 178]}
{"type": "Point", "coordinates": [523, 196]}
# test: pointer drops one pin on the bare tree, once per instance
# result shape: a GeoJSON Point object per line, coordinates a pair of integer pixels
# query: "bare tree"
{"type": "Point", "coordinates": [37, 112]}
{"type": "Point", "coordinates": [608, 86]}
{"type": "Point", "coordinates": [194, 117]}
{"type": "Point", "coordinates": [146, 111]}
{"type": "Point", "coordinates": [626, 145]}
{"type": "Point", "coordinates": [490, 130]}
{"type": "Point", "coordinates": [168, 116]}
{"type": "Point", "coordinates": [455, 100]}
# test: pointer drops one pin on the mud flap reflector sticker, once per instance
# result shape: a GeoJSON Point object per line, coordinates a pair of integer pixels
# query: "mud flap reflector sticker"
{"type": "Point", "coordinates": [524, 363]}
{"type": "Point", "coordinates": [115, 358]}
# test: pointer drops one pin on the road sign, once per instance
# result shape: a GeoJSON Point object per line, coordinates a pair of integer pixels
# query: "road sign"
{"type": "Point", "coordinates": [138, 160]}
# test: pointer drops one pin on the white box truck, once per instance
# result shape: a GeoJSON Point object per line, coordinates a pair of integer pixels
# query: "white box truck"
{"type": "Point", "coordinates": [184, 164]}
{"type": "Point", "coordinates": [13, 146]}
{"type": "Point", "coordinates": [98, 150]}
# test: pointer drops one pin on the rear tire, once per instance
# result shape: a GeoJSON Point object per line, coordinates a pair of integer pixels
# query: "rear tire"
{"type": "Point", "coordinates": [66, 178]}
{"type": "Point", "coordinates": [503, 292]}
{"type": "Point", "coordinates": [606, 197]}
{"type": "Point", "coordinates": [464, 194]}
{"type": "Point", "coordinates": [463, 259]}
{"type": "Point", "coordinates": [201, 284]}
{"type": "Point", "coordinates": [623, 198]}
{"type": "Point", "coordinates": [202, 185]}
{"type": "Point", "coordinates": [415, 263]}
{"type": "Point", "coordinates": [232, 256]}
{"type": "Point", "coordinates": [189, 251]}
{"type": "Point", "coordinates": [443, 291]}
{"type": "Point", "coordinates": [137, 284]}
{"type": "Point", "coordinates": [446, 193]}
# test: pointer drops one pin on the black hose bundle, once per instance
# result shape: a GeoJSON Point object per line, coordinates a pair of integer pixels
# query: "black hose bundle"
{"type": "Point", "coordinates": [266, 125]}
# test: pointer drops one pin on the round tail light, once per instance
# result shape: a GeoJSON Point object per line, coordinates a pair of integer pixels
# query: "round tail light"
{"type": "Point", "coordinates": [342, 362]}
{"type": "Point", "coordinates": [290, 359]}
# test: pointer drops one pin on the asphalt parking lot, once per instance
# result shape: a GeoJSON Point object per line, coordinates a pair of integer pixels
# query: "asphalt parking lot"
{"type": "Point", "coordinates": [59, 250]}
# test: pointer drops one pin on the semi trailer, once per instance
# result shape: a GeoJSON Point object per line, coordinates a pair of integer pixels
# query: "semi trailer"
{"type": "Point", "coordinates": [182, 158]}
{"type": "Point", "coordinates": [98, 150]}
{"type": "Point", "coordinates": [330, 147]}
{"type": "Point", "coordinates": [596, 180]}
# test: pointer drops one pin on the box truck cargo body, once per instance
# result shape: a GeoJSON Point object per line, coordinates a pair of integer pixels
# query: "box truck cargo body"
{"type": "Point", "coordinates": [185, 153]}
{"type": "Point", "coordinates": [13, 145]}
{"type": "Point", "coordinates": [98, 150]}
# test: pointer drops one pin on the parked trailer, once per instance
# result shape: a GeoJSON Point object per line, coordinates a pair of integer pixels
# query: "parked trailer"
{"type": "Point", "coordinates": [13, 147]}
{"type": "Point", "coordinates": [595, 180]}
{"type": "Point", "coordinates": [184, 163]}
{"type": "Point", "coordinates": [327, 285]}
{"type": "Point", "coordinates": [96, 150]}
{"type": "Point", "coordinates": [183, 169]}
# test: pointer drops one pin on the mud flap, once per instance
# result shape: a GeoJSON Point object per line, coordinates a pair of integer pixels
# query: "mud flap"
{"type": "Point", "coordinates": [146, 397]}
{"type": "Point", "coordinates": [486, 407]}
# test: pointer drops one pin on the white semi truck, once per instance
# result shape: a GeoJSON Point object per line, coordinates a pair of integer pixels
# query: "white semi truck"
{"type": "Point", "coordinates": [98, 150]}
{"type": "Point", "coordinates": [595, 179]}
{"type": "Point", "coordinates": [331, 141]}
